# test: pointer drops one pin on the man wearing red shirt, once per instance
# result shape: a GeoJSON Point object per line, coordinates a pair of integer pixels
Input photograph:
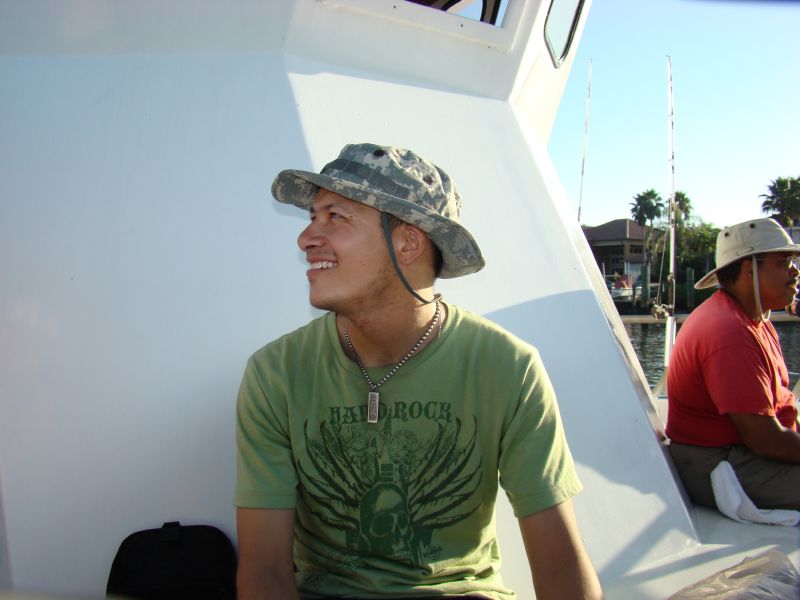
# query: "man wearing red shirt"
{"type": "Point", "coordinates": [728, 384]}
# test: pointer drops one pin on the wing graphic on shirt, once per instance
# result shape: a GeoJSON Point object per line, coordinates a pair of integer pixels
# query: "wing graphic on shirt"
{"type": "Point", "coordinates": [389, 491]}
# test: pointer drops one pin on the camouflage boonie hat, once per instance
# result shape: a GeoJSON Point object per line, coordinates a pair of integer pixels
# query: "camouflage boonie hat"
{"type": "Point", "coordinates": [398, 182]}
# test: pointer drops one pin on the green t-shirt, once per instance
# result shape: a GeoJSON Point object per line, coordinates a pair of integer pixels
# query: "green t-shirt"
{"type": "Point", "coordinates": [405, 506]}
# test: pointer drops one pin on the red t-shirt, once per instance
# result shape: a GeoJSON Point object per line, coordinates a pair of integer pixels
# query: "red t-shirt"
{"type": "Point", "coordinates": [724, 362]}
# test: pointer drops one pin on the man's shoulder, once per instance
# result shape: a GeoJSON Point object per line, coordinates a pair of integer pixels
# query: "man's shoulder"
{"type": "Point", "coordinates": [718, 323]}
{"type": "Point", "coordinates": [485, 331]}
{"type": "Point", "coordinates": [471, 322]}
{"type": "Point", "coordinates": [718, 311]}
{"type": "Point", "coordinates": [312, 332]}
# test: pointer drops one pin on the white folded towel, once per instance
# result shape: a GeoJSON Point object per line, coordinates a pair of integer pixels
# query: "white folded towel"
{"type": "Point", "coordinates": [734, 503]}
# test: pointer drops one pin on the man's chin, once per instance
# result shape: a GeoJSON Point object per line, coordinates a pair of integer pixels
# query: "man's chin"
{"type": "Point", "coordinates": [322, 303]}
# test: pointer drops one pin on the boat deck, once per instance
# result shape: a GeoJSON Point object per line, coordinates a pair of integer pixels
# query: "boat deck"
{"type": "Point", "coordinates": [725, 543]}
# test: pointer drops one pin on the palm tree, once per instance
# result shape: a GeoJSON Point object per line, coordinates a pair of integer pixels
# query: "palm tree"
{"type": "Point", "coordinates": [683, 207]}
{"type": "Point", "coordinates": [646, 206]}
{"type": "Point", "coordinates": [683, 213]}
{"type": "Point", "coordinates": [783, 200]}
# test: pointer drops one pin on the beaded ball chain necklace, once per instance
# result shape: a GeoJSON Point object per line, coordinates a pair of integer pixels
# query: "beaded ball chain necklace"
{"type": "Point", "coordinates": [373, 397]}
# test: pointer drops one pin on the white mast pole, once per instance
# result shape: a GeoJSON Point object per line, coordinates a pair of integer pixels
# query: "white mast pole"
{"type": "Point", "coordinates": [669, 338]}
{"type": "Point", "coordinates": [671, 275]}
{"type": "Point", "coordinates": [670, 326]}
{"type": "Point", "coordinates": [585, 139]}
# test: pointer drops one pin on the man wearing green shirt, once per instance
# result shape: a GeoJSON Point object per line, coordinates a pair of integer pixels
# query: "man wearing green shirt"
{"type": "Point", "coordinates": [370, 440]}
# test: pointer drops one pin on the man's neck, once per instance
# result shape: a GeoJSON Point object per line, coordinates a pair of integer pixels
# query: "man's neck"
{"type": "Point", "coordinates": [744, 297]}
{"type": "Point", "coordinates": [384, 336]}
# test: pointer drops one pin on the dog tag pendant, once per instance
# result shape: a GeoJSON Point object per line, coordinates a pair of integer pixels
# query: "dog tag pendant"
{"type": "Point", "coordinates": [373, 400]}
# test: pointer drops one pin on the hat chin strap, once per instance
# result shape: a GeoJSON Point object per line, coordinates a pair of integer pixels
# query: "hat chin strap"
{"type": "Point", "coordinates": [387, 232]}
{"type": "Point", "coordinates": [761, 316]}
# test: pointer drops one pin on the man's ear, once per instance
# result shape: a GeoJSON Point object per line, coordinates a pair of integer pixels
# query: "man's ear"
{"type": "Point", "coordinates": [746, 268]}
{"type": "Point", "coordinates": [409, 243]}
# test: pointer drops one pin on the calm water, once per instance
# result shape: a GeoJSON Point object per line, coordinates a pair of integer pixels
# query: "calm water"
{"type": "Point", "coordinates": [648, 341]}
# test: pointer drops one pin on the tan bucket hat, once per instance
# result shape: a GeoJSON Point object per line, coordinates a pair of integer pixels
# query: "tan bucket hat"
{"type": "Point", "coordinates": [398, 182]}
{"type": "Point", "coordinates": [747, 239]}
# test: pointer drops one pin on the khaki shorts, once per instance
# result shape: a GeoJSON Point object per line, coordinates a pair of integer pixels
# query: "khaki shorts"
{"type": "Point", "coordinates": [768, 483]}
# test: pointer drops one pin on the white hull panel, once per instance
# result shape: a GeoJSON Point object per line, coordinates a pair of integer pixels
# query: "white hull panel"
{"type": "Point", "coordinates": [143, 259]}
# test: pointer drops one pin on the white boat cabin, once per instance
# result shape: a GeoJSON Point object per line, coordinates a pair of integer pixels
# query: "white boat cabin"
{"type": "Point", "coordinates": [142, 260]}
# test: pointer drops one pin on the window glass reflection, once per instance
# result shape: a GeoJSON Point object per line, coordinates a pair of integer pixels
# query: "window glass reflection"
{"type": "Point", "coordinates": [559, 29]}
{"type": "Point", "coordinates": [488, 11]}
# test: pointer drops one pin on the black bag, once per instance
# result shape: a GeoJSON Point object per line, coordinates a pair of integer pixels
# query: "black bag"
{"type": "Point", "coordinates": [194, 562]}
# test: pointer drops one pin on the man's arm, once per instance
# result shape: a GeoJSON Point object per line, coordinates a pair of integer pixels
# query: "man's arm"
{"type": "Point", "coordinates": [767, 438]}
{"type": "Point", "coordinates": [266, 569]}
{"type": "Point", "coordinates": [559, 564]}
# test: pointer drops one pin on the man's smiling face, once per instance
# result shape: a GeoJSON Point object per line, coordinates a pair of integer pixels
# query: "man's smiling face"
{"type": "Point", "coordinates": [349, 265]}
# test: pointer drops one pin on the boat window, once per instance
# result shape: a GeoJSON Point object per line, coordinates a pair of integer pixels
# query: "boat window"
{"type": "Point", "coordinates": [559, 28]}
{"type": "Point", "coordinates": [487, 11]}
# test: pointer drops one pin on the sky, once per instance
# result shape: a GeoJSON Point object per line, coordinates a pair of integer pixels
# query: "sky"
{"type": "Point", "coordinates": [736, 90]}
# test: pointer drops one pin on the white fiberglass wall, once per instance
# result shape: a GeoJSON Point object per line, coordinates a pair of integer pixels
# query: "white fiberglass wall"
{"type": "Point", "coordinates": [142, 259]}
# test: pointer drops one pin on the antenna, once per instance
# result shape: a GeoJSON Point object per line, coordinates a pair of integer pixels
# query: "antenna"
{"type": "Point", "coordinates": [671, 208]}
{"type": "Point", "coordinates": [671, 325]}
{"type": "Point", "coordinates": [585, 139]}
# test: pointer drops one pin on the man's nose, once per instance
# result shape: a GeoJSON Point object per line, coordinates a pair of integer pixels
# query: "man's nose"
{"type": "Point", "coordinates": [308, 238]}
